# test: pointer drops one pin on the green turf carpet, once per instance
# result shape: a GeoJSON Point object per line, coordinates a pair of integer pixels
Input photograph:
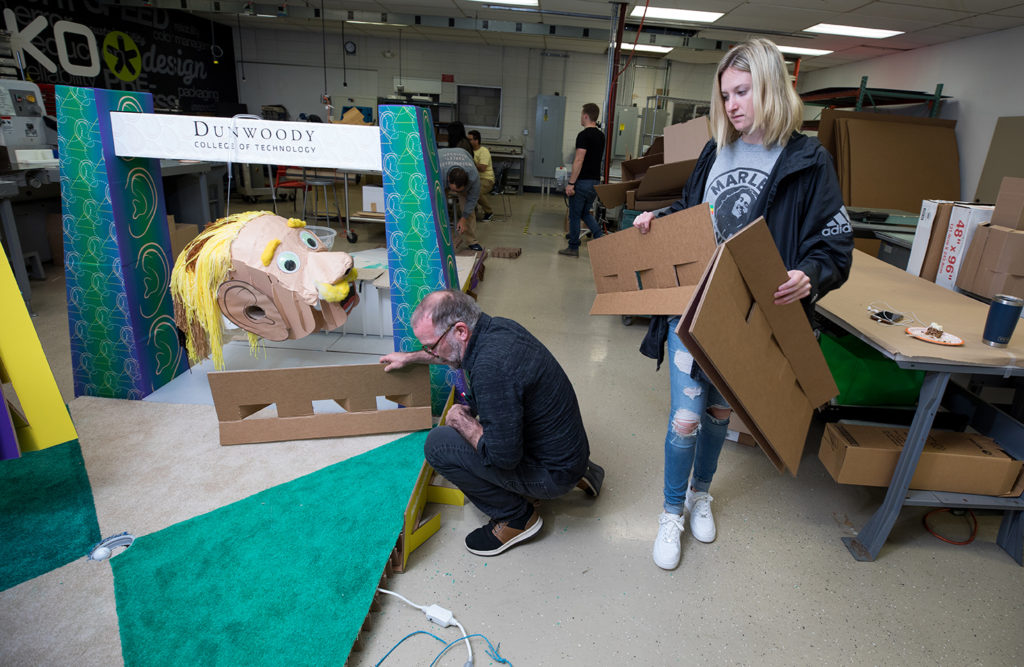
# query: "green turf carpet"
{"type": "Point", "coordinates": [283, 577]}
{"type": "Point", "coordinates": [47, 516]}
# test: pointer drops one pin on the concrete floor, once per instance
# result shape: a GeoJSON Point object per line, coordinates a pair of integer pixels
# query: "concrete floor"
{"type": "Point", "coordinates": [777, 586]}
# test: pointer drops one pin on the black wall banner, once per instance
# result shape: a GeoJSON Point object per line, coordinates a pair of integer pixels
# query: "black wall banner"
{"type": "Point", "coordinates": [187, 62]}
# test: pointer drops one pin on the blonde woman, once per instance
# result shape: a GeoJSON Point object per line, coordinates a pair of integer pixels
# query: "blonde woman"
{"type": "Point", "coordinates": [756, 165]}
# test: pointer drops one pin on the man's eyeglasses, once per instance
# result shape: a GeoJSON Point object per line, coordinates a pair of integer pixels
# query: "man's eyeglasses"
{"type": "Point", "coordinates": [429, 349]}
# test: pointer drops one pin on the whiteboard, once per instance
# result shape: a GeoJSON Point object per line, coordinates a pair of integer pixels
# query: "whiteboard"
{"type": "Point", "coordinates": [298, 88]}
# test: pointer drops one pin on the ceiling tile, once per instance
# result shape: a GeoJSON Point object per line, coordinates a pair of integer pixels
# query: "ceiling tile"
{"type": "Point", "coordinates": [991, 22]}
{"type": "Point", "coordinates": [768, 18]}
{"type": "Point", "coordinates": [905, 12]}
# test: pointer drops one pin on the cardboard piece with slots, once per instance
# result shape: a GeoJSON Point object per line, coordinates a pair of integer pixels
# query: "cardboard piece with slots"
{"type": "Point", "coordinates": [653, 273]}
{"type": "Point", "coordinates": [239, 395]}
{"type": "Point", "coordinates": [763, 358]}
{"type": "Point", "coordinates": [953, 462]}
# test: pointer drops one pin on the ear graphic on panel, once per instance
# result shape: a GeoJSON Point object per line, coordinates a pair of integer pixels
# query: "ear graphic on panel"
{"type": "Point", "coordinates": [269, 276]}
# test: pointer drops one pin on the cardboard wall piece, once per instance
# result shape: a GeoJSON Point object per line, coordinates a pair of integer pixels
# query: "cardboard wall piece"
{"type": "Point", "coordinates": [762, 357]}
{"type": "Point", "coordinates": [614, 194]}
{"type": "Point", "coordinates": [373, 199]}
{"type": "Point", "coordinates": [238, 395]}
{"type": "Point", "coordinates": [1003, 158]}
{"type": "Point", "coordinates": [954, 462]}
{"type": "Point", "coordinates": [685, 141]}
{"type": "Point", "coordinates": [893, 165]}
{"type": "Point", "coordinates": [929, 237]}
{"type": "Point", "coordinates": [963, 221]}
{"type": "Point", "coordinates": [653, 273]}
{"type": "Point", "coordinates": [1009, 210]}
{"type": "Point", "coordinates": [828, 134]}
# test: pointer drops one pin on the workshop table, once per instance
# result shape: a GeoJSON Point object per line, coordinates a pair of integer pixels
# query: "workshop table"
{"type": "Point", "coordinates": [873, 282]}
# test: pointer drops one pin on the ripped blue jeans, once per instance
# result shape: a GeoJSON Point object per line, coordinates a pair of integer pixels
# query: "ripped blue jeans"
{"type": "Point", "coordinates": [691, 400]}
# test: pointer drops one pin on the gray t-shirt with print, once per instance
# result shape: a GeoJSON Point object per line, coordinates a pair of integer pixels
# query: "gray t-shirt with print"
{"type": "Point", "coordinates": [735, 182]}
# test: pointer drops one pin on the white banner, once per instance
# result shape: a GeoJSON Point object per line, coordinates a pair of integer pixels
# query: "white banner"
{"type": "Point", "coordinates": [354, 148]}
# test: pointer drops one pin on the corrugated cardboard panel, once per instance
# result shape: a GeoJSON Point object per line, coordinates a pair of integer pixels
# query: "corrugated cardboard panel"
{"type": "Point", "coordinates": [1003, 158]}
{"type": "Point", "coordinates": [635, 169]}
{"type": "Point", "coordinates": [763, 272]}
{"type": "Point", "coordinates": [827, 128]}
{"type": "Point", "coordinates": [614, 194]}
{"type": "Point", "coordinates": [665, 180]}
{"type": "Point", "coordinates": [685, 141]}
{"type": "Point", "coordinates": [653, 273]}
{"type": "Point", "coordinates": [897, 165]}
{"type": "Point", "coordinates": [1009, 211]}
{"type": "Point", "coordinates": [736, 341]}
{"type": "Point", "coordinates": [872, 281]}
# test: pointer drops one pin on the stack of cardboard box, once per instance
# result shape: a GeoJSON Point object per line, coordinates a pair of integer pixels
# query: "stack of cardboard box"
{"type": "Point", "coordinates": [656, 180]}
{"type": "Point", "coordinates": [994, 262]}
{"type": "Point", "coordinates": [891, 161]}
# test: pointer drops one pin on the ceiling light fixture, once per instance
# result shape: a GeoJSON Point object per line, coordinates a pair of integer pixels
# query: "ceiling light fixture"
{"type": "Point", "coordinates": [649, 48]}
{"type": "Point", "coordinates": [852, 31]}
{"type": "Point", "coordinates": [521, 3]}
{"type": "Point", "coordinates": [395, 25]}
{"type": "Point", "coordinates": [689, 15]}
{"type": "Point", "coordinates": [803, 51]}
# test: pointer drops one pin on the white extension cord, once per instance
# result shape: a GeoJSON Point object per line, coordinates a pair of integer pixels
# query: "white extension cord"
{"type": "Point", "coordinates": [438, 615]}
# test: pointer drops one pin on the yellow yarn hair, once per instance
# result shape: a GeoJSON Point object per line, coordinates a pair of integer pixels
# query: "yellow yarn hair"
{"type": "Point", "coordinates": [197, 275]}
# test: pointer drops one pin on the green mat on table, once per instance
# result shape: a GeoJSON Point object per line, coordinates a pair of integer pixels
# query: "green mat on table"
{"type": "Point", "coordinates": [283, 577]}
{"type": "Point", "coordinates": [47, 515]}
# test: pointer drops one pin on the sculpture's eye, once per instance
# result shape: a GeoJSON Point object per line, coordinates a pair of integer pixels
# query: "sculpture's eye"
{"type": "Point", "coordinates": [288, 262]}
{"type": "Point", "coordinates": [310, 239]}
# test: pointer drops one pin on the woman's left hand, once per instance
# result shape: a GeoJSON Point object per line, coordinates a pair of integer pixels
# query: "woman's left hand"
{"type": "Point", "coordinates": [797, 287]}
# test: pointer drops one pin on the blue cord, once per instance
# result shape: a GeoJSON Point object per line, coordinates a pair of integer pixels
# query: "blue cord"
{"type": "Point", "coordinates": [492, 652]}
{"type": "Point", "coordinates": [418, 632]}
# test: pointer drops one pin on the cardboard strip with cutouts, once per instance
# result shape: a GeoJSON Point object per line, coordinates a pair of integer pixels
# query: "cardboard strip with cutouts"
{"type": "Point", "coordinates": [421, 257]}
{"type": "Point", "coordinates": [117, 252]}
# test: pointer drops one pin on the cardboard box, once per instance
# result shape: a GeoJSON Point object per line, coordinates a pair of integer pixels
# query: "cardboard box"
{"type": "Point", "coordinates": [653, 273]}
{"type": "Point", "coordinates": [1009, 211]}
{"type": "Point", "coordinates": [994, 263]}
{"type": "Point", "coordinates": [929, 237]}
{"type": "Point", "coordinates": [632, 202]}
{"type": "Point", "coordinates": [963, 221]}
{"type": "Point", "coordinates": [633, 170]}
{"type": "Point", "coordinates": [954, 462]}
{"type": "Point", "coordinates": [763, 358]}
{"type": "Point", "coordinates": [739, 432]}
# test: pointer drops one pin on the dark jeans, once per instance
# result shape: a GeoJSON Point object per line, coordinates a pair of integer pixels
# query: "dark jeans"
{"type": "Point", "coordinates": [579, 209]}
{"type": "Point", "coordinates": [500, 494]}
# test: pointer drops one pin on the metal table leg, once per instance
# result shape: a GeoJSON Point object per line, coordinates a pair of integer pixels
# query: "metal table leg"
{"type": "Point", "coordinates": [869, 541]}
{"type": "Point", "coordinates": [14, 247]}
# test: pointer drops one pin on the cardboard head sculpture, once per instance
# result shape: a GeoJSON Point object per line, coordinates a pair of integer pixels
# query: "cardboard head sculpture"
{"type": "Point", "coordinates": [270, 276]}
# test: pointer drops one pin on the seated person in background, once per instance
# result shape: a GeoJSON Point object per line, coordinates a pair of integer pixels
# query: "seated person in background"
{"type": "Point", "coordinates": [482, 157]}
{"type": "Point", "coordinates": [521, 436]}
{"type": "Point", "coordinates": [457, 136]}
{"type": "Point", "coordinates": [460, 177]}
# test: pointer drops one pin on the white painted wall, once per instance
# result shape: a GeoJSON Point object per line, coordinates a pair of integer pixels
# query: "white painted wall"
{"type": "Point", "coordinates": [982, 74]}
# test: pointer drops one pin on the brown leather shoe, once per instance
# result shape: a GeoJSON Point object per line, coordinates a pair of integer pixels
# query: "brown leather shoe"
{"type": "Point", "coordinates": [497, 536]}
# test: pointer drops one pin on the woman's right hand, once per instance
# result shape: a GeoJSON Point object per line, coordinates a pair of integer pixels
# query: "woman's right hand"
{"type": "Point", "coordinates": [643, 221]}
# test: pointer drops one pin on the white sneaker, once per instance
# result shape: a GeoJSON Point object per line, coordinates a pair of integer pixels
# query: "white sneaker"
{"type": "Point", "coordinates": [702, 524]}
{"type": "Point", "coordinates": [666, 545]}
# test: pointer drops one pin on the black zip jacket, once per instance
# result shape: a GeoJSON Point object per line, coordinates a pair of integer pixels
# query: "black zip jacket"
{"type": "Point", "coordinates": [804, 210]}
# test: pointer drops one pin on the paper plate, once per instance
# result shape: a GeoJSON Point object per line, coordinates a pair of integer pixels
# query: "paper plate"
{"type": "Point", "coordinates": [947, 338]}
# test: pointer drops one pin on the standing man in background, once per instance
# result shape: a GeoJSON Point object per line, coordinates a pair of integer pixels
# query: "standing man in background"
{"type": "Point", "coordinates": [460, 177]}
{"type": "Point", "coordinates": [586, 173]}
{"type": "Point", "coordinates": [482, 157]}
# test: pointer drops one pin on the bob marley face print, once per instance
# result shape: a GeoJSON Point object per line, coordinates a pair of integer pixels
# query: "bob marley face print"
{"type": "Point", "coordinates": [732, 196]}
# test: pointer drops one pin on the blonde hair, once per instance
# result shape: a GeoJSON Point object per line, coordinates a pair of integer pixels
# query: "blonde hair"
{"type": "Point", "coordinates": [197, 275]}
{"type": "Point", "coordinates": [778, 110]}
